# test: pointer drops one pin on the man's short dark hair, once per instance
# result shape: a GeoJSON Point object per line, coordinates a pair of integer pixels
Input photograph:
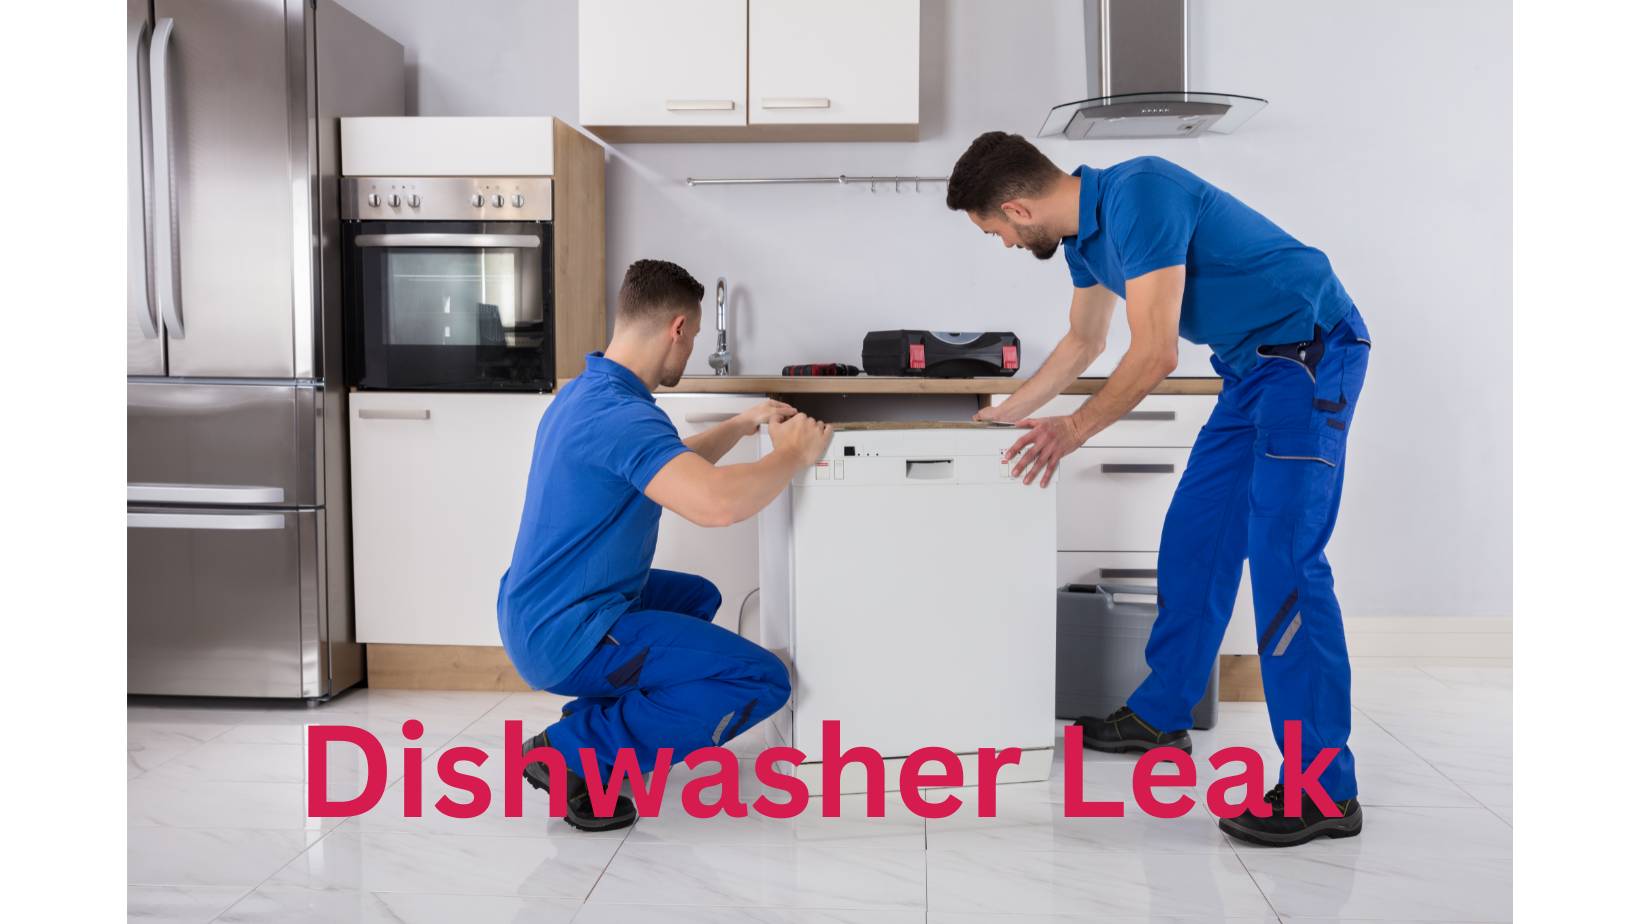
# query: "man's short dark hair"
{"type": "Point", "coordinates": [654, 292]}
{"type": "Point", "coordinates": [996, 168]}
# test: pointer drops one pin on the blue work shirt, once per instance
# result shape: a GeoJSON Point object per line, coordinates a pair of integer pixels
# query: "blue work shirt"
{"type": "Point", "coordinates": [588, 533]}
{"type": "Point", "coordinates": [1247, 282]}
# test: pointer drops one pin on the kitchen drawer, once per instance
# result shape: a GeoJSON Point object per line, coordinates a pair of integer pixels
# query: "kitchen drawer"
{"type": "Point", "coordinates": [219, 602]}
{"type": "Point", "coordinates": [1115, 498]}
{"type": "Point", "coordinates": [726, 556]}
{"type": "Point", "coordinates": [438, 489]}
{"type": "Point", "coordinates": [223, 444]}
{"type": "Point", "coordinates": [1159, 420]}
{"type": "Point", "coordinates": [1106, 568]}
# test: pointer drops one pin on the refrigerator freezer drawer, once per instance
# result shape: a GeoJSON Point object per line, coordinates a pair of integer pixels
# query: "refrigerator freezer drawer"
{"type": "Point", "coordinates": [191, 443]}
{"type": "Point", "coordinates": [224, 602]}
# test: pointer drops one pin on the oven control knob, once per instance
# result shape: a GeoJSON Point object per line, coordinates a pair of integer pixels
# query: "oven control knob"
{"type": "Point", "coordinates": [393, 200]}
{"type": "Point", "coordinates": [498, 200]}
{"type": "Point", "coordinates": [415, 201]}
{"type": "Point", "coordinates": [478, 200]}
{"type": "Point", "coordinates": [374, 200]}
{"type": "Point", "coordinates": [518, 202]}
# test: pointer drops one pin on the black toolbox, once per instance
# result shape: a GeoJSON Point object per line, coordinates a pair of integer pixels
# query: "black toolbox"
{"type": "Point", "coordinates": [1100, 658]}
{"type": "Point", "coordinates": [940, 354]}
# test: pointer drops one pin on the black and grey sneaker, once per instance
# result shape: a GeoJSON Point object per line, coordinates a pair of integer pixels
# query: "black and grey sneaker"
{"type": "Point", "coordinates": [579, 798]}
{"type": "Point", "coordinates": [1123, 731]}
{"type": "Point", "coordinates": [1280, 831]}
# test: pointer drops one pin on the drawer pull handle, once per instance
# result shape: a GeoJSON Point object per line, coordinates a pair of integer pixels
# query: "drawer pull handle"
{"type": "Point", "coordinates": [202, 494]}
{"type": "Point", "coordinates": [1136, 468]}
{"type": "Point", "coordinates": [204, 521]}
{"type": "Point", "coordinates": [789, 102]}
{"type": "Point", "coordinates": [699, 105]}
{"type": "Point", "coordinates": [1150, 415]}
{"type": "Point", "coordinates": [393, 413]}
{"type": "Point", "coordinates": [1113, 573]}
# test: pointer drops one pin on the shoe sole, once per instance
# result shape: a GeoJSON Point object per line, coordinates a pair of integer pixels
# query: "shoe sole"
{"type": "Point", "coordinates": [1327, 827]}
{"type": "Point", "coordinates": [597, 824]}
{"type": "Point", "coordinates": [1128, 747]}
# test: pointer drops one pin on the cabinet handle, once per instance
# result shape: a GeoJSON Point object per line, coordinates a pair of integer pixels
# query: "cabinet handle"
{"type": "Point", "coordinates": [1150, 415]}
{"type": "Point", "coordinates": [393, 413]}
{"type": "Point", "coordinates": [1136, 468]}
{"type": "Point", "coordinates": [704, 417]}
{"type": "Point", "coordinates": [796, 102]}
{"type": "Point", "coordinates": [698, 105]}
{"type": "Point", "coordinates": [1126, 573]}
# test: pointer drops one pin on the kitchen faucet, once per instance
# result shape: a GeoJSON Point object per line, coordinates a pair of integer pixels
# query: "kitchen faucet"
{"type": "Point", "coordinates": [719, 361]}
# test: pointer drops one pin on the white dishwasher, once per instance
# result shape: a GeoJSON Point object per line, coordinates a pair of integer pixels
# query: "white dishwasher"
{"type": "Point", "coordinates": [909, 583]}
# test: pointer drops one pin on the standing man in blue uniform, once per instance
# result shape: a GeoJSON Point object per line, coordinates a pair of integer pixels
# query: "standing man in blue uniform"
{"type": "Point", "coordinates": [1264, 478]}
{"type": "Point", "coordinates": [582, 613]}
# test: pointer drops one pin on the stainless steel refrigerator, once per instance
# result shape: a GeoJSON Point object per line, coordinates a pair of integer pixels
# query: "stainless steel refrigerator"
{"type": "Point", "coordinates": [238, 556]}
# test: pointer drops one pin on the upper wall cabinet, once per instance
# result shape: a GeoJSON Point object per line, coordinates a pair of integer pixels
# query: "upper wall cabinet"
{"type": "Point", "coordinates": [750, 70]}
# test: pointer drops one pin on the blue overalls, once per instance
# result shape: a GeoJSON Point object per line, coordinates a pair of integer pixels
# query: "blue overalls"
{"type": "Point", "coordinates": [1263, 484]}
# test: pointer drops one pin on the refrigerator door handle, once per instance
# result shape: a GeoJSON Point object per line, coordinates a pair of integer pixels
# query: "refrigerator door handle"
{"type": "Point", "coordinates": [205, 521]}
{"type": "Point", "coordinates": [165, 237]}
{"type": "Point", "coordinates": [138, 268]}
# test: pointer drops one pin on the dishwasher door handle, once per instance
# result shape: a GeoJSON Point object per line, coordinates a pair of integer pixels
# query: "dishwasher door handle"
{"type": "Point", "coordinates": [1136, 468]}
{"type": "Point", "coordinates": [930, 469]}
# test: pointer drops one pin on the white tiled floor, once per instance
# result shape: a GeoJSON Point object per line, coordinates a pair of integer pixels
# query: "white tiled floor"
{"type": "Point", "coordinates": [219, 830]}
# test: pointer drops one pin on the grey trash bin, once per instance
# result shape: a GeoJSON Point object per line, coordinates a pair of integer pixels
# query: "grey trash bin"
{"type": "Point", "coordinates": [1101, 652]}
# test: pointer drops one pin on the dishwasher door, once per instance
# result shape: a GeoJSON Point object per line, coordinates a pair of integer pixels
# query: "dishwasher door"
{"type": "Point", "coordinates": [923, 612]}
{"type": "Point", "coordinates": [222, 601]}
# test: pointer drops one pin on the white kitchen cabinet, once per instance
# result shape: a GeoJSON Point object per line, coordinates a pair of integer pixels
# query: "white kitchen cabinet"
{"type": "Point", "coordinates": [438, 489]}
{"type": "Point", "coordinates": [839, 62]}
{"type": "Point", "coordinates": [750, 70]}
{"type": "Point", "coordinates": [727, 555]}
{"type": "Point", "coordinates": [668, 63]}
{"type": "Point", "coordinates": [1110, 524]}
{"type": "Point", "coordinates": [1115, 498]}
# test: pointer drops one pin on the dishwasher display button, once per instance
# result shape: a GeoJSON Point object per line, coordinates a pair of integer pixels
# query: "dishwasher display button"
{"type": "Point", "coordinates": [822, 471]}
{"type": "Point", "coordinates": [837, 470]}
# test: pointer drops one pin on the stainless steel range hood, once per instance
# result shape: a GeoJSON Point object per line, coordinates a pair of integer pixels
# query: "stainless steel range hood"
{"type": "Point", "coordinates": [1139, 65]}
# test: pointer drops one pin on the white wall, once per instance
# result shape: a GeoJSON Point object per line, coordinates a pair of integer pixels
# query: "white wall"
{"type": "Point", "coordinates": [1386, 144]}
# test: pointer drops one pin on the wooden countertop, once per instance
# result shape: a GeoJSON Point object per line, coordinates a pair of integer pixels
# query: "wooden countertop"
{"type": "Point", "coordinates": [892, 385]}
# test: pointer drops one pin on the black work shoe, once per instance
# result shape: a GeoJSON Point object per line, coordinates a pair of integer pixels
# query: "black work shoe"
{"type": "Point", "coordinates": [1280, 831]}
{"type": "Point", "coordinates": [578, 796]}
{"type": "Point", "coordinates": [1123, 731]}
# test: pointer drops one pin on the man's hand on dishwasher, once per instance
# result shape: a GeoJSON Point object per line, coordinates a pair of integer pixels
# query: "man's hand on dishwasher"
{"type": "Point", "coordinates": [802, 435]}
{"type": "Point", "coordinates": [1049, 440]}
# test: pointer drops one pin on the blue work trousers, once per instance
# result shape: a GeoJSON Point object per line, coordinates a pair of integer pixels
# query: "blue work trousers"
{"type": "Point", "coordinates": [666, 677]}
{"type": "Point", "coordinates": [1263, 484]}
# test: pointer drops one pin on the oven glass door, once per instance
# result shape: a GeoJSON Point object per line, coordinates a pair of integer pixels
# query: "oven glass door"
{"type": "Point", "coordinates": [450, 305]}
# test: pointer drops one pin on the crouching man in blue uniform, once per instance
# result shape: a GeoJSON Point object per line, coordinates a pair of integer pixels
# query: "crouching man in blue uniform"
{"type": "Point", "coordinates": [582, 613]}
{"type": "Point", "coordinates": [1264, 477]}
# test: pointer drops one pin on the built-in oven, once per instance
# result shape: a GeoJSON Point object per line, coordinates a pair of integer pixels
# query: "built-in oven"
{"type": "Point", "coordinates": [448, 283]}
